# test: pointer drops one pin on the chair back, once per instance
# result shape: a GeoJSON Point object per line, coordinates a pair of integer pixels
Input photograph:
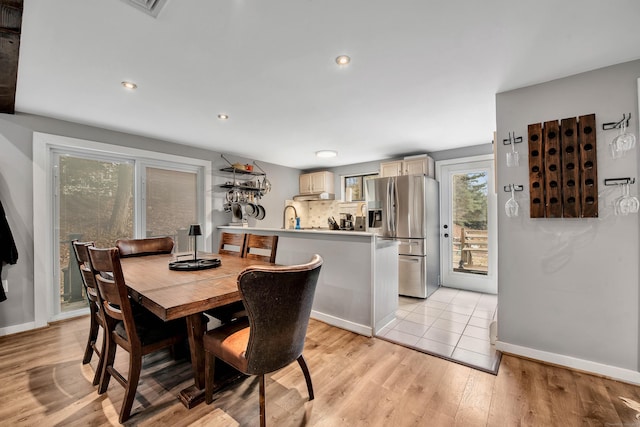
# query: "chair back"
{"type": "Point", "coordinates": [112, 288]}
{"type": "Point", "coordinates": [141, 247]}
{"type": "Point", "coordinates": [81, 251]}
{"type": "Point", "coordinates": [278, 301]}
{"type": "Point", "coordinates": [230, 241]}
{"type": "Point", "coordinates": [261, 247]}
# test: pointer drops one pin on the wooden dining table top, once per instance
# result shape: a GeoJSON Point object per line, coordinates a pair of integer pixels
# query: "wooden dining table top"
{"type": "Point", "coordinates": [172, 294]}
{"type": "Point", "coordinates": [175, 294]}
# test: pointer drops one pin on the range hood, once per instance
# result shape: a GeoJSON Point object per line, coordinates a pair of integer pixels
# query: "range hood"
{"type": "Point", "coordinates": [314, 196]}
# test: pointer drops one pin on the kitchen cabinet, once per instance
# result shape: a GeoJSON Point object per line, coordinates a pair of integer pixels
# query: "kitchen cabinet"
{"type": "Point", "coordinates": [423, 165]}
{"type": "Point", "coordinates": [316, 182]}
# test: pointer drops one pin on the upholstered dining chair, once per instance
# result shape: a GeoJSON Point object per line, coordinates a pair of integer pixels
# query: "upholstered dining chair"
{"type": "Point", "coordinates": [278, 301]}
{"type": "Point", "coordinates": [141, 247]}
{"type": "Point", "coordinates": [137, 331]}
{"type": "Point", "coordinates": [261, 247]}
{"type": "Point", "coordinates": [232, 244]}
{"type": "Point", "coordinates": [96, 318]}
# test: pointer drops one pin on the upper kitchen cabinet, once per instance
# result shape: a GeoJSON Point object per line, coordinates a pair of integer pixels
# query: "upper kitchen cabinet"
{"type": "Point", "coordinates": [422, 165]}
{"type": "Point", "coordinates": [316, 182]}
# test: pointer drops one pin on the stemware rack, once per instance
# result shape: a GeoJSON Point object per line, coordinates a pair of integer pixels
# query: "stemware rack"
{"type": "Point", "coordinates": [617, 125]}
{"type": "Point", "coordinates": [513, 139]}
{"type": "Point", "coordinates": [514, 187]}
{"type": "Point", "coordinates": [619, 181]}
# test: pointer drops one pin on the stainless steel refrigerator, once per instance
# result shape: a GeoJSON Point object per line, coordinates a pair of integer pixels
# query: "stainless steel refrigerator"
{"type": "Point", "coordinates": [405, 208]}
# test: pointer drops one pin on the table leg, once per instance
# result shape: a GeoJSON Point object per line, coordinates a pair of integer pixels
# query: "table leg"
{"type": "Point", "coordinates": [193, 395]}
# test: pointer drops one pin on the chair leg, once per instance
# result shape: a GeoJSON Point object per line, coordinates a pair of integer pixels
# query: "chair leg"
{"type": "Point", "coordinates": [109, 355]}
{"type": "Point", "coordinates": [98, 374]}
{"type": "Point", "coordinates": [93, 334]}
{"type": "Point", "coordinates": [135, 366]}
{"type": "Point", "coordinates": [307, 377]}
{"type": "Point", "coordinates": [209, 381]}
{"type": "Point", "coordinates": [263, 415]}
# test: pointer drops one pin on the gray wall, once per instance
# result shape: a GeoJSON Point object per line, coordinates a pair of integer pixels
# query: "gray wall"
{"type": "Point", "coordinates": [570, 286]}
{"type": "Point", "coordinates": [373, 167]}
{"type": "Point", "coordinates": [16, 194]}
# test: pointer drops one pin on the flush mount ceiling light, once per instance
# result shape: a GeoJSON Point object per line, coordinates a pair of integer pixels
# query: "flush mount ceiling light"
{"type": "Point", "coordinates": [223, 116]}
{"type": "Point", "coordinates": [129, 85]}
{"type": "Point", "coordinates": [326, 153]}
{"type": "Point", "coordinates": [343, 60]}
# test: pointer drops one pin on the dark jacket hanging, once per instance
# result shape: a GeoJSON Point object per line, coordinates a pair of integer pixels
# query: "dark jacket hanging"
{"type": "Point", "coordinates": [8, 250]}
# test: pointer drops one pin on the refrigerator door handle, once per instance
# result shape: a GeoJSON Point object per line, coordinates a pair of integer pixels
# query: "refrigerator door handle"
{"type": "Point", "coordinates": [393, 208]}
{"type": "Point", "coordinates": [389, 209]}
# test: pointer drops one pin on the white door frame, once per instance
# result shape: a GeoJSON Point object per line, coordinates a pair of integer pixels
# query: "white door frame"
{"type": "Point", "coordinates": [473, 282]}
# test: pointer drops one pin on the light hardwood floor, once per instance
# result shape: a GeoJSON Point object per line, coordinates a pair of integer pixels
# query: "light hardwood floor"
{"type": "Point", "coordinates": [358, 381]}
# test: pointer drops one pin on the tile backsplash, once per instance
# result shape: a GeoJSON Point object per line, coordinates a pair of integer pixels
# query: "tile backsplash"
{"type": "Point", "coordinates": [315, 213]}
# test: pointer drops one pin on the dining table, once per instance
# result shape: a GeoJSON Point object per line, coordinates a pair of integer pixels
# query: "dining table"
{"type": "Point", "coordinates": [175, 294]}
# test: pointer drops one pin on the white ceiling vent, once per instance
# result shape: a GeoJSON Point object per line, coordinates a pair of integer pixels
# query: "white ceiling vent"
{"type": "Point", "coordinates": [151, 7]}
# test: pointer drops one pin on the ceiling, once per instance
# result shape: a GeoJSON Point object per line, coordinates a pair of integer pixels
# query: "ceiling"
{"type": "Point", "coordinates": [422, 78]}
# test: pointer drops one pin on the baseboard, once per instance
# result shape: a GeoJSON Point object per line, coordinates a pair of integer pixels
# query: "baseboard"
{"type": "Point", "coordinates": [613, 372]}
{"type": "Point", "coordinates": [343, 324]}
{"type": "Point", "coordinates": [9, 330]}
{"type": "Point", "coordinates": [384, 322]}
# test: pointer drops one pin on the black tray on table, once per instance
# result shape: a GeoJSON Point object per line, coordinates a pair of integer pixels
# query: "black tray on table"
{"type": "Point", "coordinates": [194, 264]}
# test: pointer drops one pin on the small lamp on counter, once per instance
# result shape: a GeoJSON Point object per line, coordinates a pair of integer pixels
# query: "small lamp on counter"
{"type": "Point", "coordinates": [195, 231]}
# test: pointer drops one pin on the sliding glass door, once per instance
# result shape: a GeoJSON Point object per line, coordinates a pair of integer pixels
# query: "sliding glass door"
{"type": "Point", "coordinates": [101, 199]}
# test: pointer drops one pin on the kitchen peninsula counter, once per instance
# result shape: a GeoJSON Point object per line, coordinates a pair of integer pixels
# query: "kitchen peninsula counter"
{"type": "Point", "coordinates": [358, 285]}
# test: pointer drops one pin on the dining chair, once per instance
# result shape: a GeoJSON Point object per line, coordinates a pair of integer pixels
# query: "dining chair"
{"type": "Point", "coordinates": [230, 241]}
{"type": "Point", "coordinates": [141, 247]}
{"type": "Point", "coordinates": [278, 301]}
{"type": "Point", "coordinates": [137, 331]}
{"type": "Point", "coordinates": [253, 246]}
{"type": "Point", "coordinates": [96, 318]}
{"type": "Point", "coordinates": [261, 247]}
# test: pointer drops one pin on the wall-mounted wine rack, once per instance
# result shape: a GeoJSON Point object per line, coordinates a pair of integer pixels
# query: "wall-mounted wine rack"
{"type": "Point", "coordinates": [563, 178]}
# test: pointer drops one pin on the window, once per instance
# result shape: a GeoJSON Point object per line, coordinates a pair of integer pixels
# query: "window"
{"type": "Point", "coordinates": [357, 185]}
{"type": "Point", "coordinates": [97, 192]}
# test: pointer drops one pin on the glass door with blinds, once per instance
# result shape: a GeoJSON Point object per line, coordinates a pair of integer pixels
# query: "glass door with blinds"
{"type": "Point", "coordinates": [102, 198]}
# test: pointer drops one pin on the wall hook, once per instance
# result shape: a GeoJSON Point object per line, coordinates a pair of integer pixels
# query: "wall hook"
{"type": "Point", "coordinates": [617, 125]}
{"type": "Point", "coordinates": [516, 187]}
{"type": "Point", "coordinates": [513, 139]}
{"type": "Point", "coordinates": [619, 181]}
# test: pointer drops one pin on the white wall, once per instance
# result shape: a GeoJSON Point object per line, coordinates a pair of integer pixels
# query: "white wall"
{"type": "Point", "coordinates": [568, 288]}
{"type": "Point", "coordinates": [16, 194]}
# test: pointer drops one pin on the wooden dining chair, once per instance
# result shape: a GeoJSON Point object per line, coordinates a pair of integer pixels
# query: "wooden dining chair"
{"type": "Point", "coordinates": [253, 247]}
{"type": "Point", "coordinates": [137, 331]}
{"type": "Point", "coordinates": [141, 247]}
{"type": "Point", "coordinates": [232, 244]}
{"type": "Point", "coordinates": [278, 300]}
{"type": "Point", "coordinates": [96, 318]}
{"type": "Point", "coordinates": [261, 247]}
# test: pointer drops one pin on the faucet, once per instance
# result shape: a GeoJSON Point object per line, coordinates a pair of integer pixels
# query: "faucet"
{"type": "Point", "coordinates": [284, 215]}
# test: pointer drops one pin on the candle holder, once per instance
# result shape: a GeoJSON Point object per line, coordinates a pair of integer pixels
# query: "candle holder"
{"type": "Point", "coordinates": [195, 264]}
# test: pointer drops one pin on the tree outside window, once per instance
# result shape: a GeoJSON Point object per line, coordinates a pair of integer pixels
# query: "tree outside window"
{"type": "Point", "coordinates": [357, 185]}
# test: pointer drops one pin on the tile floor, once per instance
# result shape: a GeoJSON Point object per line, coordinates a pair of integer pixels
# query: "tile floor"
{"type": "Point", "coordinates": [451, 323]}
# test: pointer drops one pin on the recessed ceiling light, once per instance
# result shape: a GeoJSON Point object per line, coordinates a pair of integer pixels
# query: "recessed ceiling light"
{"type": "Point", "coordinates": [223, 116]}
{"type": "Point", "coordinates": [326, 153]}
{"type": "Point", "coordinates": [129, 85]}
{"type": "Point", "coordinates": [343, 60]}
